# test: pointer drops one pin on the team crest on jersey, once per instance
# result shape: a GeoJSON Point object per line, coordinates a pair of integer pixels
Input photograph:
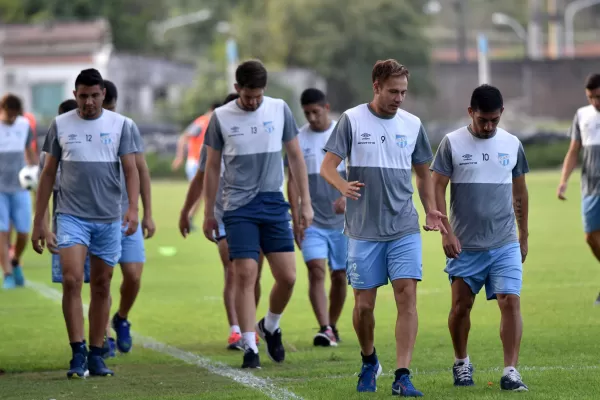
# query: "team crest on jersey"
{"type": "Point", "coordinates": [105, 138]}
{"type": "Point", "coordinates": [401, 141]}
{"type": "Point", "coordinates": [269, 128]}
{"type": "Point", "coordinates": [503, 159]}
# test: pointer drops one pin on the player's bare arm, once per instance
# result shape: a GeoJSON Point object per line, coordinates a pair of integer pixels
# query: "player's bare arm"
{"type": "Point", "coordinates": [568, 166]}
{"type": "Point", "coordinates": [132, 182]}
{"type": "Point", "coordinates": [433, 218]}
{"type": "Point", "coordinates": [148, 226]}
{"type": "Point", "coordinates": [521, 207]}
{"type": "Point", "coordinates": [193, 194]}
{"type": "Point", "coordinates": [294, 200]}
{"type": "Point", "coordinates": [211, 185]}
{"type": "Point", "coordinates": [450, 242]}
{"type": "Point", "coordinates": [298, 170]}
{"type": "Point", "coordinates": [180, 153]}
{"type": "Point", "coordinates": [329, 172]}
{"type": "Point", "coordinates": [31, 157]}
{"type": "Point", "coordinates": [44, 191]}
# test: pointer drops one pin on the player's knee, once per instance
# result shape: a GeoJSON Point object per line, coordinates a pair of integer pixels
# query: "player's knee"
{"type": "Point", "coordinates": [316, 272]}
{"type": "Point", "coordinates": [286, 278]}
{"type": "Point", "coordinates": [462, 307]}
{"type": "Point", "coordinates": [338, 278]}
{"type": "Point", "coordinates": [72, 283]}
{"type": "Point", "coordinates": [245, 273]}
{"type": "Point", "coordinates": [406, 296]}
{"type": "Point", "coordinates": [364, 304]}
{"type": "Point", "coordinates": [132, 275]}
{"type": "Point", "coordinates": [509, 303]}
{"type": "Point", "coordinates": [593, 239]}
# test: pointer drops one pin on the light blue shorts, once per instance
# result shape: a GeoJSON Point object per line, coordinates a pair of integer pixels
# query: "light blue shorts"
{"type": "Point", "coordinates": [132, 247]}
{"type": "Point", "coordinates": [372, 264]}
{"type": "Point", "coordinates": [15, 208]}
{"type": "Point", "coordinates": [325, 244]}
{"type": "Point", "coordinates": [221, 234]}
{"type": "Point", "coordinates": [103, 240]}
{"type": "Point", "coordinates": [590, 210]}
{"type": "Point", "coordinates": [500, 270]}
{"type": "Point", "coordinates": [190, 169]}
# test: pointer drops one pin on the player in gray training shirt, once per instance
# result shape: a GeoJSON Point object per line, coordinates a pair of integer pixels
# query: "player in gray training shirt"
{"type": "Point", "coordinates": [234, 341]}
{"type": "Point", "coordinates": [585, 135]}
{"type": "Point", "coordinates": [91, 144]}
{"type": "Point", "coordinates": [248, 135]}
{"type": "Point", "coordinates": [324, 241]}
{"type": "Point", "coordinates": [380, 144]}
{"type": "Point", "coordinates": [15, 203]}
{"type": "Point", "coordinates": [486, 168]}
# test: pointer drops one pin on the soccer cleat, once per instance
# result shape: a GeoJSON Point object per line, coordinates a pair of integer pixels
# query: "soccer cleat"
{"type": "Point", "coordinates": [336, 334]}
{"type": "Point", "coordinates": [463, 374]}
{"type": "Point", "coordinates": [122, 328]}
{"type": "Point", "coordinates": [404, 387]}
{"type": "Point", "coordinates": [109, 348]}
{"type": "Point", "coordinates": [19, 277]}
{"type": "Point", "coordinates": [325, 338]}
{"type": "Point", "coordinates": [9, 282]}
{"type": "Point", "coordinates": [97, 366]}
{"type": "Point", "coordinates": [78, 367]}
{"type": "Point", "coordinates": [367, 379]}
{"type": "Point", "coordinates": [251, 359]}
{"type": "Point", "coordinates": [512, 381]}
{"type": "Point", "coordinates": [275, 349]}
{"type": "Point", "coordinates": [235, 342]}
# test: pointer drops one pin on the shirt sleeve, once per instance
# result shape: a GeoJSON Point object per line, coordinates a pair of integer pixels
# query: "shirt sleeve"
{"type": "Point", "coordinates": [214, 136]}
{"type": "Point", "coordinates": [340, 141]}
{"type": "Point", "coordinates": [51, 144]}
{"type": "Point", "coordinates": [290, 128]}
{"type": "Point", "coordinates": [442, 163]}
{"type": "Point", "coordinates": [422, 153]}
{"type": "Point", "coordinates": [522, 167]}
{"type": "Point", "coordinates": [194, 129]}
{"type": "Point", "coordinates": [575, 131]}
{"type": "Point", "coordinates": [126, 143]}
{"type": "Point", "coordinates": [203, 157]}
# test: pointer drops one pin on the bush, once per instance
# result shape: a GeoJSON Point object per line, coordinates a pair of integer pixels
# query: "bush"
{"type": "Point", "coordinates": [160, 167]}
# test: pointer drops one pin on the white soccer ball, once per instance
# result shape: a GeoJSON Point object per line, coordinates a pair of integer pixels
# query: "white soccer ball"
{"type": "Point", "coordinates": [28, 177]}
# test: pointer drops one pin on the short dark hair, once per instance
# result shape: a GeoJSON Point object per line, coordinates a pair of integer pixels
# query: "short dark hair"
{"type": "Point", "coordinates": [384, 69]}
{"type": "Point", "coordinates": [67, 106]}
{"type": "Point", "coordinates": [231, 97]}
{"type": "Point", "coordinates": [313, 96]}
{"type": "Point", "coordinates": [111, 92]}
{"type": "Point", "coordinates": [215, 105]}
{"type": "Point", "coordinates": [592, 82]}
{"type": "Point", "coordinates": [11, 102]}
{"type": "Point", "coordinates": [486, 98]}
{"type": "Point", "coordinates": [251, 75]}
{"type": "Point", "coordinates": [89, 77]}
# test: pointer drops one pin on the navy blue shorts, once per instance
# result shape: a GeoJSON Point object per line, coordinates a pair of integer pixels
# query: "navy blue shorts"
{"type": "Point", "coordinates": [264, 223]}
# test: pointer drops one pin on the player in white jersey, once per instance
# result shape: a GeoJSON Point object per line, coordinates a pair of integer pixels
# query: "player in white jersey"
{"type": "Point", "coordinates": [324, 241]}
{"type": "Point", "coordinates": [585, 136]}
{"type": "Point", "coordinates": [381, 144]}
{"type": "Point", "coordinates": [247, 136]}
{"type": "Point", "coordinates": [16, 151]}
{"type": "Point", "coordinates": [486, 168]}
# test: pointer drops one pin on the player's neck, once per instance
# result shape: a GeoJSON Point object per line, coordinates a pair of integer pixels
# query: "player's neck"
{"type": "Point", "coordinates": [98, 115]}
{"type": "Point", "coordinates": [481, 135]}
{"type": "Point", "coordinates": [324, 128]}
{"type": "Point", "coordinates": [378, 112]}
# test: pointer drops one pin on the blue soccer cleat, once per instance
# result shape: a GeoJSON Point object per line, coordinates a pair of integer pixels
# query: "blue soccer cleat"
{"type": "Point", "coordinates": [463, 374]}
{"type": "Point", "coordinates": [404, 387]}
{"type": "Point", "coordinates": [109, 348]}
{"type": "Point", "coordinates": [9, 282]}
{"type": "Point", "coordinates": [367, 379]}
{"type": "Point", "coordinates": [19, 277]}
{"type": "Point", "coordinates": [97, 366]}
{"type": "Point", "coordinates": [78, 368]}
{"type": "Point", "coordinates": [123, 329]}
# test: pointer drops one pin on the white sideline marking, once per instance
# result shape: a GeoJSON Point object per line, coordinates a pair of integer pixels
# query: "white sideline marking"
{"type": "Point", "coordinates": [263, 385]}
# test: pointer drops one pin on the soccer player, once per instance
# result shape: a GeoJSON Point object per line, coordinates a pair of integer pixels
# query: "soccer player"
{"type": "Point", "coordinates": [585, 135]}
{"type": "Point", "coordinates": [379, 143]}
{"type": "Point", "coordinates": [247, 134]}
{"type": "Point", "coordinates": [133, 250]}
{"type": "Point", "coordinates": [324, 240]}
{"type": "Point", "coordinates": [235, 341]}
{"type": "Point", "coordinates": [88, 143]}
{"type": "Point", "coordinates": [486, 168]}
{"type": "Point", "coordinates": [15, 203]}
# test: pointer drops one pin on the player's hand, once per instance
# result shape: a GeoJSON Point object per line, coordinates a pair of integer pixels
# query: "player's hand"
{"type": "Point", "coordinates": [307, 214]}
{"type": "Point", "coordinates": [51, 241]}
{"type": "Point", "coordinates": [298, 234]}
{"type": "Point", "coordinates": [148, 227]}
{"type": "Point", "coordinates": [451, 245]}
{"type": "Point", "coordinates": [176, 164]}
{"type": "Point", "coordinates": [524, 249]}
{"type": "Point", "coordinates": [351, 189]}
{"type": "Point", "coordinates": [210, 228]}
{"type": "Point", "coordinates": [131, 221]}
{"type": "Point", "coordinates": [340, 205]}
{"type": "Point", "coordinates": [562, 189]}
{"type": "Point", "coordinates": [184, 224]}
{"type": "Point", "coordinates": [434, 221]}
{"type": "Point", "coordinates": [38, 238]}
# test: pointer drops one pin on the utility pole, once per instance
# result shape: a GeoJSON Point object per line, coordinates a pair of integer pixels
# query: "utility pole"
{"type": "Point", "coordinates": [460, 7]}
{"type": "Point", "coordinates": [534, 33]}
{"type": "Point", "coordinates": [555, 28]}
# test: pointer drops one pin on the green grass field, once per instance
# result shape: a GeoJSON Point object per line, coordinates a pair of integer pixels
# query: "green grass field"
{"type": "Point", "coordinates": [180, 305]}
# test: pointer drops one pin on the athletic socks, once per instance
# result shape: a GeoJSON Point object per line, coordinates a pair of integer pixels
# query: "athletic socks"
{"type": "Point", "coordinates": [235, 329]}
{"type": "Point", "coordinates": [250, 341]}
{"type": "Point", "coordinates": [272, 321]}
{"type": "Point", "coordinates": [466, 361]}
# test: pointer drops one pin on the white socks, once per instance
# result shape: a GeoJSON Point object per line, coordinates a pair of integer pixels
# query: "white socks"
{"type": "Point", "coordinates": [508, 370]}
{"type": "Point", "coordinates": [272, 321]}
{"type": "Point", "coordinates": [464, 360]}
{"type": "Point", "coordinates": [250, 341]}
{"type": "Point", "coordinates": [235, 329]}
